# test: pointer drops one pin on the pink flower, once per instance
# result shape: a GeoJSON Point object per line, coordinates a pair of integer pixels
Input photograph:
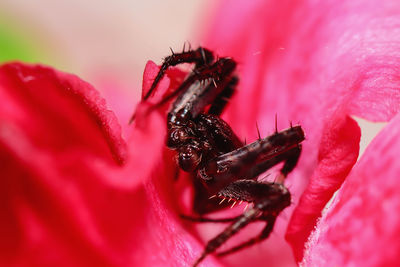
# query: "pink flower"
{"type": "Point", "coordinates": [319, 63]}
{"type": "Point", "coordinates": [75, 193]}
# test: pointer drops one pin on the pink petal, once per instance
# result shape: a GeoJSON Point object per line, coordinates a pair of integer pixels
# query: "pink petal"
{"type": "Point", "coordinates": [71, 193]}
{"type": "Point", "coordinates": [337, 154]}
{"type": "Point", "coordinates": [37, 96]}
{"type": "Point", "coordinates": [362, 227]}
{"type": "Point", "coordinates": [315, 63]}
{"type": "Point", "coordinates": [149, 74]}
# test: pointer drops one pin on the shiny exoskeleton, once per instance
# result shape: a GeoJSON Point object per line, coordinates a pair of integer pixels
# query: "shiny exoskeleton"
{"type": "Point", "coordinates": [222, 166]}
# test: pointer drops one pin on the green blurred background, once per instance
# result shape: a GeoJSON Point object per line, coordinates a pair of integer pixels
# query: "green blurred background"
{"type": "Point", "coordinates": [92, 38]}
{"type": "Point", "coordinates": [16, 44]}
{"type": "Point", "coordinates": [106, 43]}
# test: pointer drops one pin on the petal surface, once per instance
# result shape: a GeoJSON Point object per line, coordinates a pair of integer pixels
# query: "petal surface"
{"type": "Point", "coordinates": [315, 63]}
{"type": "Point", "coordinates": [361, 227]}
{"type": "Point", "coordinates": [72, 189]}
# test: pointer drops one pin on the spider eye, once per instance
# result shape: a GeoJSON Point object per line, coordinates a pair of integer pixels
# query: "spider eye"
{"type": "Point", "coordinates": [178, 137]}
{"type": "Point", "coordinates": [188, 158]}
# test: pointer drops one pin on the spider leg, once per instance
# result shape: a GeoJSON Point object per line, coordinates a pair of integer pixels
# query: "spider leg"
{"type": "Point", "coordinates": [290, 159]}
{"type": "Point", "coordinates": [201, 56]}
{"type": "Point", "coordinates": [204, 219]}
{"type": "Point", "coordinates": [270, 220]}
{"type": "Point", "coordinates": [290, 162]}
{"type": "Point", "coordinates": [212, 220]}
{"type": "Point", "coordinates": [239, 163]}
{"type": "Point", "coordinates": [220, 102]}
{"type": "Point", "coordinates": [198, 90]}
{"type": "Point", "coordinates": [269, 200]}
{"type": "Point", "coordinates": [221, 132]}
{"type": "Point", "coordinates": [216, 242]}
{"type": "Point", "coordinates": [202, 203]}
{"type": "Point", "coordinates": [253, 159]}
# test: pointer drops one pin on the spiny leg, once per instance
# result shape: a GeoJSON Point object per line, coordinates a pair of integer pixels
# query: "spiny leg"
{"type": "Point", "coordinates": [201, 56]}
{"type": "Point", "coordinates": [290, 163]}
{"type": "Point", "coordinates": [213, 220]}
{"type": "Point", "coordinates": [202, 203]}
{"type": "Point", "coordinates": [224, 137]}
{"type": "Point", "coordinates": [265, 233]}
{"type": "Point", "coordinates": [290, 159]}
{"type": "Point", "coordinates": [269, 200]}
{"type": "Point", "coordinates": [223, 98]}
{"type": "Point", "coordinates": [201, 86]}
{"type": "Point", "coordinates": [251, 160]}
{"type": "Point", "coordinates": [216, 242]}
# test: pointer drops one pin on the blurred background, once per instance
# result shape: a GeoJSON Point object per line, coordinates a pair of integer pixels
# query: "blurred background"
{"type": "Point", "coordinates": [106, 43]}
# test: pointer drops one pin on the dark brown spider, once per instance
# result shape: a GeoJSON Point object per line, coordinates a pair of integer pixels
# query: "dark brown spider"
{"type": "Point", "coordinates": [207, 147]}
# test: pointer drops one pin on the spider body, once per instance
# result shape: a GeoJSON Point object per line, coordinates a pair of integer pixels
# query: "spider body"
{"type": "Point", "coordinates": [222, 166]}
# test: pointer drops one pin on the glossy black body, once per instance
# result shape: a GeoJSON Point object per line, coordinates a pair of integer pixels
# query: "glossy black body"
{"type": "Point", "coordinates": [221, 165]}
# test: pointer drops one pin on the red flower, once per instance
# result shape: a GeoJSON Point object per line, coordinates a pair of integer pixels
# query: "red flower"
{"type": "Point", "coordinates": [75, 193]}
{"type": "Point", "coordinates": [71, 191]}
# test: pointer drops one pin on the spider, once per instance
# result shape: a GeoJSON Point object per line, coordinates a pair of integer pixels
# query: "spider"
{"type": "Point", "coordinates": [223, 166]}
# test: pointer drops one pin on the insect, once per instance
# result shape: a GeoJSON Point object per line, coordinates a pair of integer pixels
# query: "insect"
{"type": "Point", "coordinates": [222, 166]}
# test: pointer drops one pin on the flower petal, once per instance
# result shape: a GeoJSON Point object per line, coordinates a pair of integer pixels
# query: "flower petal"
{"type": "Point", "coordinates": [73, 113]}
{"type": "Point", "coordinates": [337, 154]}
{"type": "Point", "coordinates": [361, 228]}
{"type": "Point", "coordinates": [316, 63]}
{"type": "Point", "coordinates": [150, 72]}
{"type": "Point", "coordinates": [70, 192]}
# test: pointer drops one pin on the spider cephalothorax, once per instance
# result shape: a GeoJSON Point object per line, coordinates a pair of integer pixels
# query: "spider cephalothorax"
{"type": "Point", "coordinates": [222, 165]}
